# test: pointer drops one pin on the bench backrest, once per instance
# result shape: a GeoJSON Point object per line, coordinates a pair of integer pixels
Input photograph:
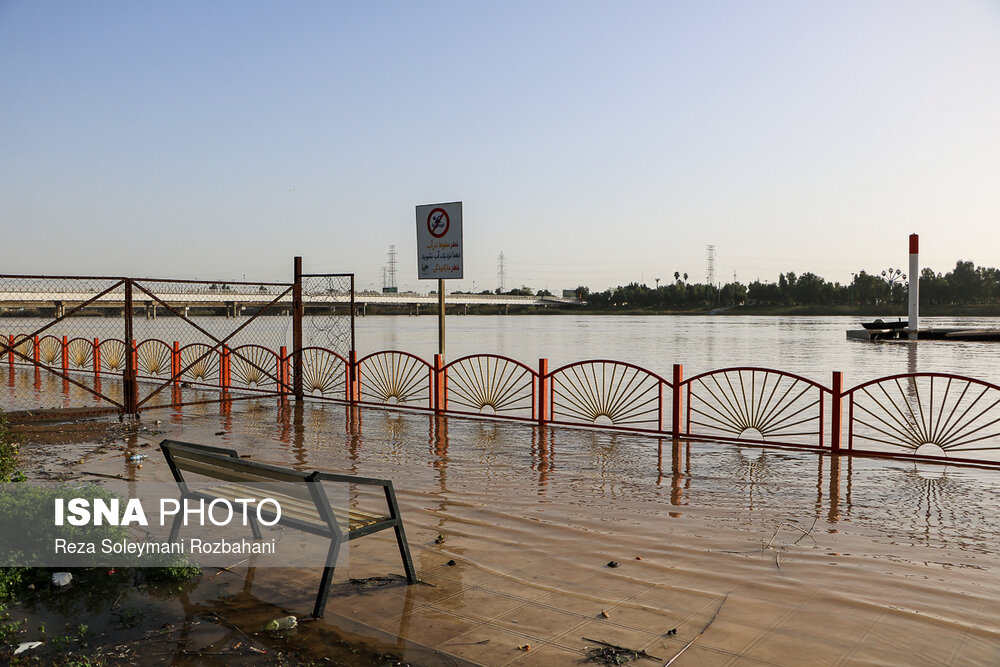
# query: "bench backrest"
{"type": "Point", "coordinates": [217, 463]}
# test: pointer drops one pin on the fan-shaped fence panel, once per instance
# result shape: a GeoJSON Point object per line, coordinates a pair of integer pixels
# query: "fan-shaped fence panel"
{"type": "Point", "coordinates": [253, 367]}
{"type": "Point", "coordinates": [200, 363]}
{"type": "Point", "coordinates": [608, 393]}
{"type": "Point", "coordinates": [49, 350]}
{"type": "Point", "coordinates": [80, 353]}
{"type": "Point", "coordinates": [396, 378]}
{"type": "Point", "coordinates": [324, 373]}
{"type": "Point", "coordinates": [492, 385]}
{"type": "Point", "coordinates": [755, 404]}
{"type": "Point", "coordinates": [112, 355]}
{"type": "Point", "coordinates": [153, 358]}
{"type": "Point", "coordinates": [24, 345]}
{"type": "Point", "coordinates": [926, 414]}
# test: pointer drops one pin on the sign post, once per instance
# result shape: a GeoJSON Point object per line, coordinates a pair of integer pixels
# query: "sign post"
{"type": "Point", "coordinates": [439, 250]}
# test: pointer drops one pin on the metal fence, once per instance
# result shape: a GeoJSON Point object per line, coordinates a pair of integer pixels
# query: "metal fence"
{"type": "Point", "coordinates": [131, 344]}
{"type": "Point", "coordinates": [919, 416]}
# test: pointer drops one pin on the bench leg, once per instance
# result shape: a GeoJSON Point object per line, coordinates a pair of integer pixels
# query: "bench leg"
{"type": "Point", "coordinates": [175, 528]}
{"type": "Point", "coordinates": [254, 527]}
{"type": "Point", "coordinates": [404, 553]}
{"type": "Point", "coordinates": [404, 549]}
{"type": "Point", "coordinates": [324, 584]}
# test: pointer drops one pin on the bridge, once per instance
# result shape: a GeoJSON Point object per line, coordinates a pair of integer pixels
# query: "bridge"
{"type": "Point", "coordinates": [235, 300]}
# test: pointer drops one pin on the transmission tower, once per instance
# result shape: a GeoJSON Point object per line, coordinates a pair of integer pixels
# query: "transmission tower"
{"type": "Point", "coordinates": [711, 265]}
{"type": "Point", "coordinates": [501, 271]}
{"type": "Point", "coordinates": [392, 268]}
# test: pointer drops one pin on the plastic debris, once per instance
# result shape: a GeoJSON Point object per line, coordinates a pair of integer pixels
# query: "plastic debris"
{"type": "Point", "coordinates": [451, 562]}
{"type": "Point", "coordinates": [26, 646]}
{"type": "Point", "coordinates": [613, 563]}
{"type": "Point", "coordinates": [138, 457]}
{"type": "Point", "coordinates": [61, 578]}
{"type": "Point", "coordinates": [283, 623]}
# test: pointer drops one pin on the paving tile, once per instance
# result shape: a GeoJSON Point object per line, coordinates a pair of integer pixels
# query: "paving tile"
{"type": "Point", "coordinates": [479, 603]}
{"type": "Point", "coordinates": [434, 627]}
{"type": "Point", "coordinates": [542, 622]}
{"type": "Point", "coordinates": [491, 645]}
{"type": "Point", "coordinates": [782, 648]}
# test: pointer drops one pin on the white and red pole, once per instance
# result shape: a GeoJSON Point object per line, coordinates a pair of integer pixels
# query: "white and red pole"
{"type": "Point", "coordinates": [914, 291]}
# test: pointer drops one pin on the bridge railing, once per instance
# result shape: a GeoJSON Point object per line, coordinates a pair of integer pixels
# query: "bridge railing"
{"type": "Point", "coordinates": [933, 417]}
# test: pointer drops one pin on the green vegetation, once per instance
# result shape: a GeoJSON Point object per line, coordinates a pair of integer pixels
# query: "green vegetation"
{"type": "Point", "coordinates": [966, 286]}
{"type": "Point", "coordinates": [9, 448]}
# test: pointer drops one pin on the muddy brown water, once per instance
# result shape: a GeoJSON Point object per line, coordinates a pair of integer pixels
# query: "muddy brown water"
{"type": "Point", "coordinates": [813, 559]}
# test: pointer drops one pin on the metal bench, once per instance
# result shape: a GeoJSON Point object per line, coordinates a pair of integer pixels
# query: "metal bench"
{"type": "Point", "coordinates": [304, 503]}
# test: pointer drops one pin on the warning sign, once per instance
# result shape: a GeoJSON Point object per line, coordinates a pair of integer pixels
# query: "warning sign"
{"type": "Point", "coordinates": [439, 241]}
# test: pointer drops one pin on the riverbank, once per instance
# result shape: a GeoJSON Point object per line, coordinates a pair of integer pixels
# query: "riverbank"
{"type": "Point", "coordinates": [869, 312]}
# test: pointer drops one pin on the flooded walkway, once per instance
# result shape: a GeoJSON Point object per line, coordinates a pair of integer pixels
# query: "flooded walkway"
{"type": "Point", "coordinates": [805, 559]}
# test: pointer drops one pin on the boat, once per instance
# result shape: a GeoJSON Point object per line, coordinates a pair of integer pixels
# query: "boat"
{"type": "Point", "coordinates": [879, 324]}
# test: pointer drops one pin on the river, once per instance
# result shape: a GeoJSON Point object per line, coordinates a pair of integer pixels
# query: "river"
{"type": "Point", "coordinates": [808, 346]}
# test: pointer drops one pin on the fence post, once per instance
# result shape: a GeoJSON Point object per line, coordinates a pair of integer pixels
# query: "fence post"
{"type": "Point", "coordinates": [675, 408]}
{"type": "Point", "coordinates": [353, 377]}
{"type": "Point", "coordinates": [440, 385]}
{"type": "Point", "coordinates": [836, 410]}
{"type": "Point", "coordinates": [97, 357]}
{"type": "Point", "coordinates": [65, 355]}
{"type": "Point", "coordinates": [542, 400]}
{"type": "Point", "coordinates": [283, 370]}
{"type": "Point", "coordinates": [130, 388]}
{"type": "Point", "coordinates": [224, 368]}
{"type": "Point", "coordinates": [297, 312]}
{"type": "Point", "coordinates": [175, 363]}
{"type": "Point", "coordinates": [36, 351]}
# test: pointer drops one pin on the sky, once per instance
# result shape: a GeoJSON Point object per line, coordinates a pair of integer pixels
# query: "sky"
{"type": "Point", "coordinates": [592, 143]}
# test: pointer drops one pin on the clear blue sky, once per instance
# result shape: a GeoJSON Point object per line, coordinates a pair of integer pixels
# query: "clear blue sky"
{"type": "Point", "coordinates": [592, 143]}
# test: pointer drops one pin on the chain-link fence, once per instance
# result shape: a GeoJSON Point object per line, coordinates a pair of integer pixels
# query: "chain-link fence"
{"type": "Point", "coordinates": [328, 320]}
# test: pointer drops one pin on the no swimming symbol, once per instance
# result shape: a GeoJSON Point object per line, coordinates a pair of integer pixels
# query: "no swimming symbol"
{"type": "Point", "coordinates": [438, 222]}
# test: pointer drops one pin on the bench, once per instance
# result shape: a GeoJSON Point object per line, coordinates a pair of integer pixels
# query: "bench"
{"type": "Point", "coordinates": [304, 503]}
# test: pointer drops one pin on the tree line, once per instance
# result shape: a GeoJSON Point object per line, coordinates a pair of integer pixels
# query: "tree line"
{"type": "Point", "coordinates": [966, 284]}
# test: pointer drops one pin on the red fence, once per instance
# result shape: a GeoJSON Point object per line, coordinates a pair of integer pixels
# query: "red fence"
{"type": "Point", "coordinates": [922, 416]}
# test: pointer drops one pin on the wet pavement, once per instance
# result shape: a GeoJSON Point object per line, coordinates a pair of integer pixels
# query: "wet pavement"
{"type": "Point", "coordinates": [798, 557]}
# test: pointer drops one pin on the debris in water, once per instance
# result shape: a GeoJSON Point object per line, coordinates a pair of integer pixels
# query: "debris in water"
{"type": "Point", "coordinates": [452, 562]}
{"type": "Point", "coordinates": [439, 540]}
{"type": "Point", "coordinates": [638, 557]}
{"type": "Point", "coordinates": [604, 614]}
{"type": "Point", "coordinates": [612, 654]}
{"type": "Point", "coordinates": [688, 645]}
{"type": "Point", "coordinates": [220, 433]}
{"type": "Point", "coordinates": [283, 623]}
{"type": "Point", "coordinates": [138, 457]}
{"type": "Point", "coordinates": [26, 646]}
{"type": "Point", "coordinates": [524, 647]}
{"type": "Point", "coordinates": [61, 578]}
{"type": "Point", "coordinates": [613, 563]}
{"type": "Point", "coordinates": [670, 633]}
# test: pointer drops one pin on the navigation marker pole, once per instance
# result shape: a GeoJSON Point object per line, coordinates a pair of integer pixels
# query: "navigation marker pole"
{"type": "Point", "coordinates": [914, 288]}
